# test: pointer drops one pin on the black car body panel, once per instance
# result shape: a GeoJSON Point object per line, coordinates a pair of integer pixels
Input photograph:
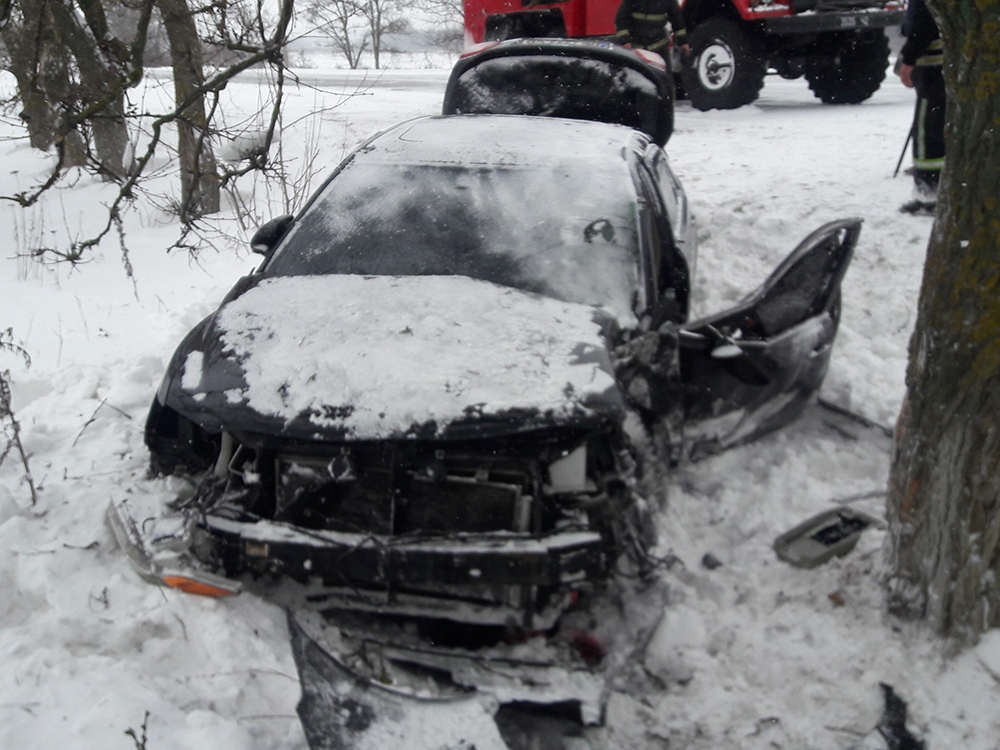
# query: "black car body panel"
{"type": "Point", "coordinates": [579, 79]}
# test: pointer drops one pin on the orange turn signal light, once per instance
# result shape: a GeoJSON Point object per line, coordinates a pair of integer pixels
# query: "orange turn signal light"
{"type": "Point", "coordinates": [191, 586]}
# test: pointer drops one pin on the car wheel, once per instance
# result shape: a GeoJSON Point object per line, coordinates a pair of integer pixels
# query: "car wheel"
{"type": "Point", "coordinates": [853, 73]}
{"type": "Point", "coordinates": [726, 67]}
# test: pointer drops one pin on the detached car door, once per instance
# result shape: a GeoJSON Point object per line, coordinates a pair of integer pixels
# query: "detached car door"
{"type": "Point", "coordinates": [575, 79]}
{"type": "Point", "coordinates": [754, 368]}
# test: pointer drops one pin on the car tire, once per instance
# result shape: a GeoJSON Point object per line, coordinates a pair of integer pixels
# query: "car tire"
{"type": "Point", "coordinates": [853, 73]}
{"type": "Point", "coordinates": [726, 67]}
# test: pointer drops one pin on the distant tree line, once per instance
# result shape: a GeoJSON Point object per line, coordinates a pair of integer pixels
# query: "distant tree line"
{"type": "Point", "coordinates": [356, 27]}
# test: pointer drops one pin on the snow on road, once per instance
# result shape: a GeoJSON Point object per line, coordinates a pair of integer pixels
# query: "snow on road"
{"type": "Point", "coordinates": [751, 654]}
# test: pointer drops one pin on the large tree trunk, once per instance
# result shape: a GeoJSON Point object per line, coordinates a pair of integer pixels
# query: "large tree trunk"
{"type": "Point", "coordinates": [944, 493]}
{"type": "Point", "coordinates": [199, 177]}
{"type": "Point", "coordinates": [38, 117]}
{"type": "Point", "coordinates": [54, 78]}
{"type": "Point", "coordinates": [48, 47]}
{"type": "Point", "coordinates": [100, 79]}
{"type": "Point", "coordinates": [33, 60]}
{"type": "Point", "coordinates": [374, 13]}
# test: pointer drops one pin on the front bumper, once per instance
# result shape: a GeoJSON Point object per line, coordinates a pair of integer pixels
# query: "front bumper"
{"type": "Point", "coordinates": [442, 576]}
{"type": "Point", "coordinates": [812, 22]}
{"type": "Point", "coordinates": [456, 577]}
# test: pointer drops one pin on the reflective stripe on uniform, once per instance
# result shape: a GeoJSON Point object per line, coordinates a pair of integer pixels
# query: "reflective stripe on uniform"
{"type": "Point", "coordinates": [934, 55]}
{"type": "Point", "coordinates": [921, 144]}
{"type": "Point", "coordinates": [658, 17]}
{"type": "Point", "coordinates": [920, 160]}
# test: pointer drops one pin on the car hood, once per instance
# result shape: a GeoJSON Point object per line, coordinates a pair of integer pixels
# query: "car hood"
{"type": "Point", "coordinates": [372, 358]}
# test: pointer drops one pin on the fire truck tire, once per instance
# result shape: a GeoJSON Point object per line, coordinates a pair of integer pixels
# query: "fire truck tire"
{"type": "Point", "coordinates": [726, 67]}
{"type": "Point", "coordinates": [854, 73]}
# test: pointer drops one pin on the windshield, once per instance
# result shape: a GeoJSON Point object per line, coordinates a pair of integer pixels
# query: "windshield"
{"type": "Point", "coordinates": [563, 232]}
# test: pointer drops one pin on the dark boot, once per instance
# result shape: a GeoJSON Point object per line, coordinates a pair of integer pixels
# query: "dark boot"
{"type": "Point", "coordinates": [925, 184]}
{"type": "Point", "coordinates": [919, 208]}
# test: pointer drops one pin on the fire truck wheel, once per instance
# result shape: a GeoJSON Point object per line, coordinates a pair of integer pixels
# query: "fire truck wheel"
{"type": "Point", "coordinates": [726, 67]}
{"type": "Point", "coordinates": [853, 73]}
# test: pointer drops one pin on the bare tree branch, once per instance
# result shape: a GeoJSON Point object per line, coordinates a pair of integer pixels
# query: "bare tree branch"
{"type": "Point", "coordinates": [269, 51]}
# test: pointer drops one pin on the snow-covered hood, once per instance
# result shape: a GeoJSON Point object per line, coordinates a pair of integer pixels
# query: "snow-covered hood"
{"type": "Point", "coordinates": [370, 358]}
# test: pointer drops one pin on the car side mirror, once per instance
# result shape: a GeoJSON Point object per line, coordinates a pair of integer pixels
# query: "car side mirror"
{"type": "Point", "coordinates": [268, 235]}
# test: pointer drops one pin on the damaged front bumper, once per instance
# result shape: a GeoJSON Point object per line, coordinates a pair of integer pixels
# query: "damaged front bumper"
{"type": "Point", "coordinates": [455, 577]}
{"type": "Point", "coordinates": [392, 575]}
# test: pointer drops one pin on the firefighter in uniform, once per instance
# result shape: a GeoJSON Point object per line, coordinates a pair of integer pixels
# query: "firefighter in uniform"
{"type": "Point", "coordinates": [643, 24]}
{"type": "Point", "coordinates": [922, 59]}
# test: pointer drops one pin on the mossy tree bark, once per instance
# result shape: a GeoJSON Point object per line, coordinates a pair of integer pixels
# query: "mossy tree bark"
{"type": "Point", "coordinates": [944, 488]}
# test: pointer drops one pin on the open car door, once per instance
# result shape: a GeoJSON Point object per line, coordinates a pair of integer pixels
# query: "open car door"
{"type": "Point", "coordinates": [576, 79]}
{"type": "Point", "coordinates": [754, 368]}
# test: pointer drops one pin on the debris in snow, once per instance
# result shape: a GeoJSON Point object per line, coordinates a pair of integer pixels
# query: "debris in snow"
{"type": "Point", "coordinates": [859, 418]}
{"type": "Point", "coordinates": [832, 533]}
{"type": "Point", "coordinates": [890, 733]}
{"type": "Point", "coordinates": [710, 561]}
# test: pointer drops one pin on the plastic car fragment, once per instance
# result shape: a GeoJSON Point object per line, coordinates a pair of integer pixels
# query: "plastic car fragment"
{"type": "Point", "coordinates": [832, 533]}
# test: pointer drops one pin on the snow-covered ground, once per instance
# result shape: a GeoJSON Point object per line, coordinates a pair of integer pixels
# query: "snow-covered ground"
{"type": "Point", "coordinates": [751, 654]}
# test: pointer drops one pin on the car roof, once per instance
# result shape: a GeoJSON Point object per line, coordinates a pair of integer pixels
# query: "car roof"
{"type": "Point", "coordinates": [501, 141]}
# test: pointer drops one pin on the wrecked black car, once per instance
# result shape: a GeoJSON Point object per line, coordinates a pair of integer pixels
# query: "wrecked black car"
{"type": "Point", "coordinates": [438, 407]}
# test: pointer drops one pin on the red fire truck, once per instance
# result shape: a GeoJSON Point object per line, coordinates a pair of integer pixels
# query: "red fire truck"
{"type": "Point", "coordinates": [839, 46]}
